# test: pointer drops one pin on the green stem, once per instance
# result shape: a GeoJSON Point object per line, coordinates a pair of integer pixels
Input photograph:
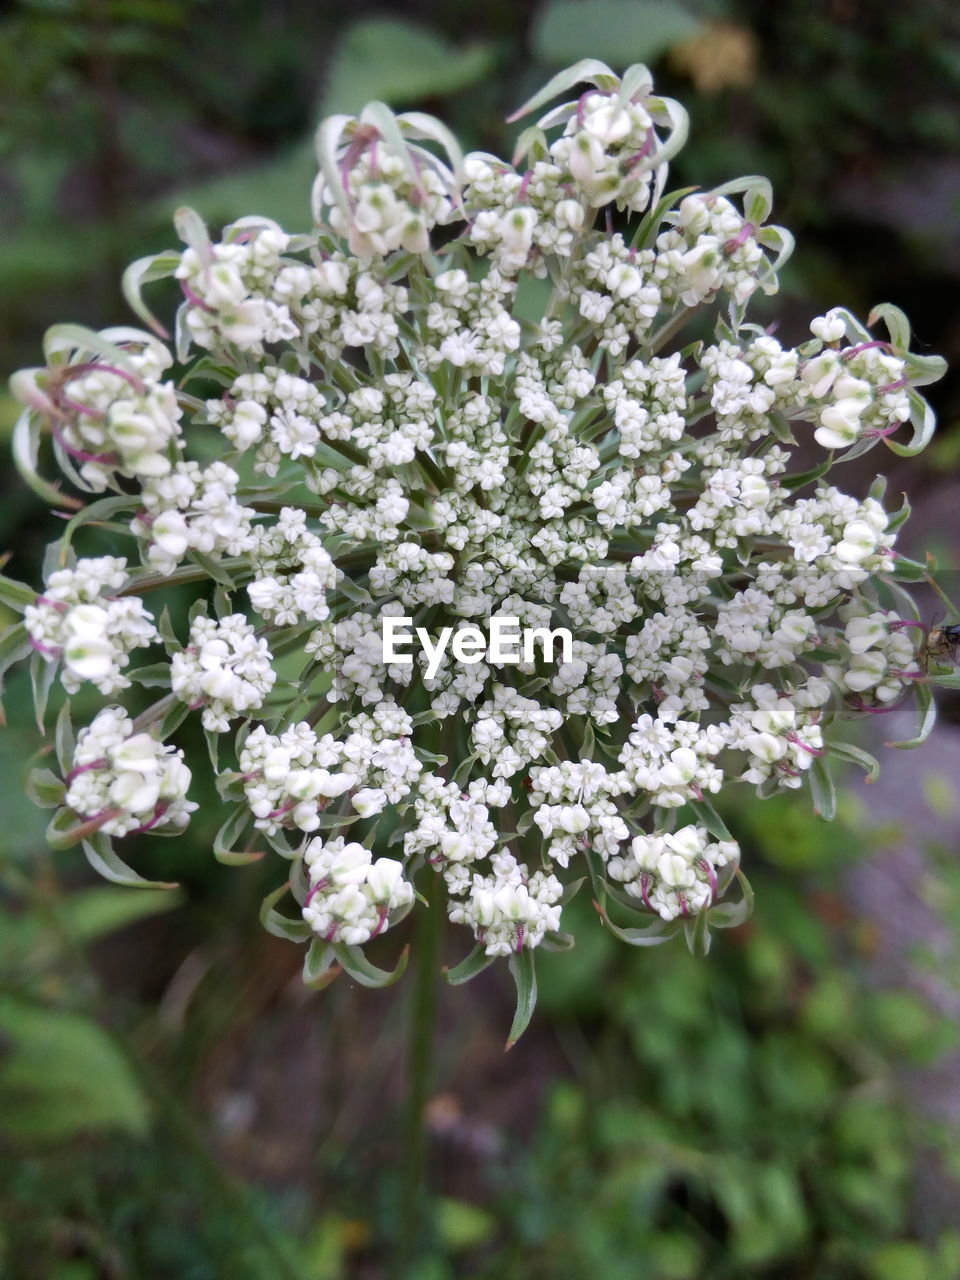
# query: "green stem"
{"type": "Point", "coordinates": [670, 329]}
{"type": "Point", "coordinates": [423, 1012]}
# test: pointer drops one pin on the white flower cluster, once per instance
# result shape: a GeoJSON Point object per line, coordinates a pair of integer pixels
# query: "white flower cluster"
{"type": "Point", "coordinates": [882, 656]}
{"type": "Point", "coordinates": [295, 571]}
{"type": "Point", "coordinates": [92, 632]}
{"type": "Point", "coordinates": [434, 454]}
{"type": "Point", "coordinates": [193, 508]}
{"type": "Point", "coordinates": [125, 781]}
{"type": "Point", "coordinates": [228, 288]}
{"type": "Point", "coordinates": [351, 896]}
{"type": "Point", "coordinates": [510, 908]}
{"type": "Point", "coordinates": [290, 779]}
{"type": "Point", "coordinates": [674, 874]}
{"type": "Point", "coordinates": [111, 419]}
{"type": "Point", "coordinates": [226, 669]}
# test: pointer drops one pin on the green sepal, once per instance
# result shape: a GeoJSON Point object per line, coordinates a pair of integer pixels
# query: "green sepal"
{"type": "Point", "coordinates": [282, 926]}
{"type": "Point", "coordinates": [228, 835]}
{"type": "Point", "coordinates": [928, 717]}
{"type": "Point", "coordinates": [847, 751]}
{"type": "Point", "coordinates": [651, 935]}
{"type": "Point", "coordinates": [16, 595]}
{"type": "Point", "coordinates": [356, 965]}
{"type": "Point", "coordinates": [105, 862]}
{"type": "Point", "coordinates": [523, 969]}
{"type": "Point", "coordinates": [156, 675]}
{"type": "Point", "coordinates": [709, 818]}
{"type": "Point", "coordinates": [823, 790]}
{"type": "Point", "coordinates": [729, 915]}
{"type": "Point", "coordinates": [42, 675]}
{"type": "Point", "coordinates": [64, 739]}
{"type": "Point", "coordinates": [44, 788]}
{"type": "Point", "coordinates": [475, 963]}
{"type": "Point", "coordinates": [318, 967]}
{"type": "Point", "coordinates": [697, 934]}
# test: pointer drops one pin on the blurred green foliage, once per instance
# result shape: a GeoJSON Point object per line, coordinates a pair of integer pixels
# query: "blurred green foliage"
{"type": "Point", "coordinates": [740, 1117]}
{"type": "Point", "coordinates": [736, 1117]}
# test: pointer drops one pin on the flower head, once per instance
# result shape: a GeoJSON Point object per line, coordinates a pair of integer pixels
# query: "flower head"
{"type": "Point", "coordinates": [397, 440]}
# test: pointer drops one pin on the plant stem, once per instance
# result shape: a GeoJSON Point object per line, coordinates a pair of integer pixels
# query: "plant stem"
{"type": "Point", "coordinates": [423, 1012]}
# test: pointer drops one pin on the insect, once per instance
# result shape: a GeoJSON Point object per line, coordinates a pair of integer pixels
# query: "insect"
{"type": "Point", "coordinates": [943, 643]}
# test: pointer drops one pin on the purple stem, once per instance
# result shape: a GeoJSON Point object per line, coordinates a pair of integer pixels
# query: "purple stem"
{"type": "Point", "coordinates": [105, 459]}
{"type": "Point", "coordinates": [48, 651]}
{"type": "Point", "coordinates": [864, 346]}
{"type": "Point", "coordinates": [642, 154]}
{"type": "Point", "coordinates": [98, 366]}
{"type": "Point", "coordinates": [284, 809]}
{"type": "Point", "coordinates": [85, 409]}
{"type": "Point", "coordinates": [743, 235]}
{"type": "Point", "coordinates": [644, 887]}
{"type": "Point", "coordinates": [102, 763]}
{"type": "Point", "coordinates": [798, 742]}
{"type": "Point", "coordinates": [195, 300]}
{"type": "Point", "coordinates": [880, 433]}
{"type": "Point", "coordinates": [158, 815]}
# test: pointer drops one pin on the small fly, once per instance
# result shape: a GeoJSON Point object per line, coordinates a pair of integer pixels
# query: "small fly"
{"type": "Point", "coordinates": [943, 643]}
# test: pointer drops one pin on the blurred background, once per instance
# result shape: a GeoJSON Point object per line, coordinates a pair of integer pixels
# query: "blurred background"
{"type": "Point", "coordinates": [173, 1102]}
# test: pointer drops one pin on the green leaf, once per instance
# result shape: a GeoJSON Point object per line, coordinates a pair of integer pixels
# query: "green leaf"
{"type": "Point", "coordinates": [61, 1076]}
{"type": "Point", "coordinates": [318, 967]}
{"type": "Point", "coordinates": [44, 788]}
{"type": "Point", "coordinates": [16, 594]}
{"type": "Point", "coordinates": [523, 968]}
{"type": "Point", "coordinates": [14, 647]}
{"type": "Point", "coordinates": [43, 672]}
{"type": "Point", "coordinates": [228, 835]}
{"type": "Point", "coordinates": [214, 569]}
{"type": "Point", "coordinates": [924, 424]}
{"type": "Point", "coordinates": [26, 453]}
{"type": "Point", "coordinates": [847, 751]}
{"type": "Point", "coordinates": [156, 675]}
{"type": "Point", "coordinates": [586, 71]}
{"type": "Point", "coordinates": [159, 266]}
{"type": "Point", "coordinates": [356, 965]}
{"type": "Point", "coordinates": [697, 933]}
{"type": "Point", "coordinates": [654, 217]}
{"type": "Point", "coordinates": [475, 963]}
{"type": "Point", "coordinates": [400, 61]}
{"type": "Point", "coordinates": [823, 790]}
{"type": "Point", "coordinates": [896, 323]}
{"type": "Point", "coordinates": [928, 717]}
{"type": "Point", "coordinates": [354, 593]}
{"type": "Point", "coordinates": [619, 31]}
{"type": "Point", "coordinates": [282, 926]}
{"type": "Point", "coordinates": [728, 915]}
{"type": "Point", "coordinates": [650, 935]}
{"type": "Point", "coordinates": [64, 739]}
{"type": "Point", "coordinates": [708, 817]}
{"type": "Point", "coordinates": [63, 340]}
{"type": "Point", "coordinates": [106, 863]}
{"type": "Point", "coordinates": [192, 231]}
{"type": "Point", "coordinates": [94, 513]}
